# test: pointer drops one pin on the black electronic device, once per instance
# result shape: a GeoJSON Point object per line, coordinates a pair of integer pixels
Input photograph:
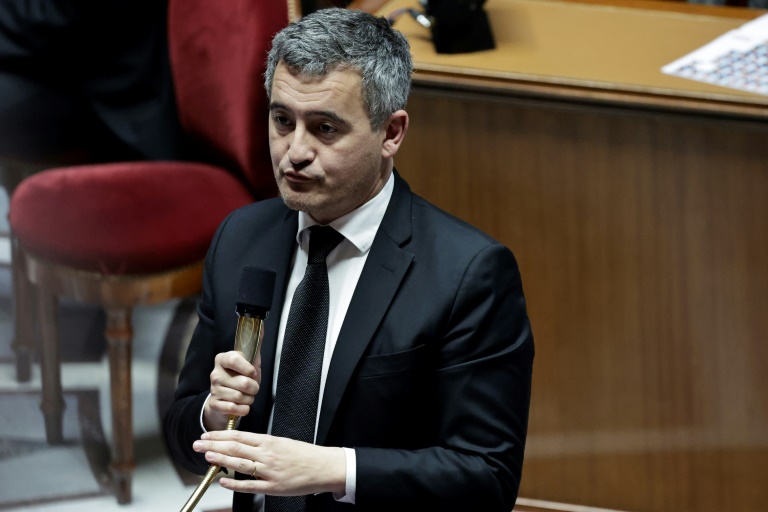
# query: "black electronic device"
{"type": "Point", "coordinates": [459, 26]}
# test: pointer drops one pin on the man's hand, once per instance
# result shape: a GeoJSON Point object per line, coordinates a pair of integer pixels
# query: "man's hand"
{"type": "Point", "coordinates": [282, 467]}
{"type": "Point", "coordinates": [234, 384]}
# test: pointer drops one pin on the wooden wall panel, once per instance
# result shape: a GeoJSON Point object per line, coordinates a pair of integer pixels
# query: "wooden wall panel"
{"type": "Point", "coordinates": [643, 244]}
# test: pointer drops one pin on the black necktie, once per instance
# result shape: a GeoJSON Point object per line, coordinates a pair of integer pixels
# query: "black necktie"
{"type": "Point", "coordinates": [301, 360]}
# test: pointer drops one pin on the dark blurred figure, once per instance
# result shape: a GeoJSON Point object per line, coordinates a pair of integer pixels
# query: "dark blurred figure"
{"type": "Point", "coordinates": [310, 6]}
{"type": "Point", "coordinates": [84, 81]}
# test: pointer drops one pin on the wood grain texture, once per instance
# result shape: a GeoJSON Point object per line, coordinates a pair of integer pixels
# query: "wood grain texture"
{"type": "Point", "coordinates": [637, 206]}
{"type": "Point", "coordinates": [641, 238]}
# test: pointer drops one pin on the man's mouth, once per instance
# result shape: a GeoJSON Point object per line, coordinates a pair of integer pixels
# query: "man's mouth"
{"type": "Point", "coordinates": [297, 177]}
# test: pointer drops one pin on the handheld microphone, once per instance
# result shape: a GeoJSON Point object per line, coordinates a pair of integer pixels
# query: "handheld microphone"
{"type": "Point", "coordinates": [254, 300]}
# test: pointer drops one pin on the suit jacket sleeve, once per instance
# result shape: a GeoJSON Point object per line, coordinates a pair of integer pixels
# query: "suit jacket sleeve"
{"type": "Point", "coordinates": [482, 389]}
{"type": "Point", "coordinates": [181, 425]}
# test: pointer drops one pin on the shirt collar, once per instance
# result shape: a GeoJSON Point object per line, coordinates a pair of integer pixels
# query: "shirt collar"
{"type": "Point", "coordinates": [360, 225]}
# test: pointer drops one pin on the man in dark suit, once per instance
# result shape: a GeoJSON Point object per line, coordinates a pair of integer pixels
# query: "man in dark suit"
{"type": "Point", "coordinates": [425, 366]}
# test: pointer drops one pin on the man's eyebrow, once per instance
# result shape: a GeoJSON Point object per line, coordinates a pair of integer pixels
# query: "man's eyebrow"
{"type": "Point", "coordinates": [275, 105]}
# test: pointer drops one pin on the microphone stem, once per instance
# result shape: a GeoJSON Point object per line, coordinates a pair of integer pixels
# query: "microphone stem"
{"type": "Point", "coordinates": [210, 475]}
{"type": "Point", "coordinates": [250, 331]}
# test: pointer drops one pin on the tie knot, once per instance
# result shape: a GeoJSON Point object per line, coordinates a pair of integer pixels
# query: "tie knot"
{"type": "Point", "coordinates": [322, 240]}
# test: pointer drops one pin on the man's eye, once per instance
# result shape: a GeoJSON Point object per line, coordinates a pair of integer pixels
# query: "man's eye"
{"type": "Point", "coordinates": [282, 120]}
{"type": "Point", "coordinates": [327, 128]}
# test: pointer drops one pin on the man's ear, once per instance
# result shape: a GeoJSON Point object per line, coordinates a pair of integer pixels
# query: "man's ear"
{"type": "Point", "coordinates": [394, 128]}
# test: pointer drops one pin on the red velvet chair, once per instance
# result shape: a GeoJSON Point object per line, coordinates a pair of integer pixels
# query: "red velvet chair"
{"type": "Point", "coordinates": [124, 234]}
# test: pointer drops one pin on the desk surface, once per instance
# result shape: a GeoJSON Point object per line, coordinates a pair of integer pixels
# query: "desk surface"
{"type": "Point", "coordinates": [597, 52]}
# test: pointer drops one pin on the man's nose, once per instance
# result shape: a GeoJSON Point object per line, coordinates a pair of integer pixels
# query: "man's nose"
{"type": "Point", "coordinates": [300, 149]}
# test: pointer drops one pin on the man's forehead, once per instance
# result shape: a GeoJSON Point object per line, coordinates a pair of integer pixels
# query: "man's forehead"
{"type": "Point", "coordinates": [338, 86]}
{"type": "Point", "coordinates": [336, 95]}
{"type": "Point", "coordinates": [329, 68]}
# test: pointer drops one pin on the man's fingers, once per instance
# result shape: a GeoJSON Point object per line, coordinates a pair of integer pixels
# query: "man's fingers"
{"type": "Point", "coordinates": [282, 467]}
{"type": "Point", "coordinates": [236, 396]}
{"type": "Point", "coordinates": [242, 465]}
{"type": "Point", "coordinates": [229, 408]}
{"type": "Point", "coordinates": [234, 384]}
{"type": "Point", "coordinates": [251, 486]}
{"type": "Point", "coordinates": [220, 450]}
{"type": "Point", "coordinates": [236, 362]}
{"type": "Point", "coordinates": [237, 436]}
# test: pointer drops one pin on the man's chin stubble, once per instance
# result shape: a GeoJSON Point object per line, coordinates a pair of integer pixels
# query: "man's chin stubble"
{"type": "Point", "coordinates": [297, 204]}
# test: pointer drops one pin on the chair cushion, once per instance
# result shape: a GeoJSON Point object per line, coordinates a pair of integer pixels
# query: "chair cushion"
{"type": "Point", "coordinates": [124, 218]}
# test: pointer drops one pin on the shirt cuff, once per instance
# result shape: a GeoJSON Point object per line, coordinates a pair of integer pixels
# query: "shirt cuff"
{"type": "Point", "coordinates": [351, 484]}
{"type": "Point", "coordinates": [203, 411]}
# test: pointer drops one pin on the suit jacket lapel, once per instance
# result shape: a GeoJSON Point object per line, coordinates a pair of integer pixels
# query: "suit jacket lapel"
{"type": "Point", "coordinates": [274, 250]}
{"type": "Point", "coordinates": [382, 274]}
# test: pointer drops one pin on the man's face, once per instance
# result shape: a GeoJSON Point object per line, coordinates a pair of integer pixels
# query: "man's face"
{"type": "Point", "coordinates": [326, 158]}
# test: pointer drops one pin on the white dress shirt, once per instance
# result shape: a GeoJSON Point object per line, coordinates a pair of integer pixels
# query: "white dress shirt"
{"type": "Point", "coordinates": [345, 264]}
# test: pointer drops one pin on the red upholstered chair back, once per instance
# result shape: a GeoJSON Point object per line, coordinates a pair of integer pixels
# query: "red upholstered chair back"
{"type": "Point", "coordinates": [131, 233]}
{"type": "Point", "coordinates": [218, 52]}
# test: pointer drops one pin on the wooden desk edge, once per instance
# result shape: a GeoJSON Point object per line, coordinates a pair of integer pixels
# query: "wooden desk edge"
{"type": "Point", "coordinates": [719, 11]}
{"type": "Point", "coordinates": [511, 84]}
{"type": "Point", "coordinates": [433, 77]}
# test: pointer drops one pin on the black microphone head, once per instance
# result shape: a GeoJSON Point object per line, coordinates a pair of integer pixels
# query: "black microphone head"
{"type": "Point", "coordinates": [257, 286]}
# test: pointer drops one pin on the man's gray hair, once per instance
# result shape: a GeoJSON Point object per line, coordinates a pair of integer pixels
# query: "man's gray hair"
{"type": "Point", "coordinates": [335, 38]}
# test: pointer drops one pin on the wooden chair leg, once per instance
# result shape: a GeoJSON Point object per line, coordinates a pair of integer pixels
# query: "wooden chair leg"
{"type": "Point", "coordinates": [119, 336]}
{"type": "Point", "coordinates": [50, 364]}
{"type": "Point", "coordinates": [24, 313]}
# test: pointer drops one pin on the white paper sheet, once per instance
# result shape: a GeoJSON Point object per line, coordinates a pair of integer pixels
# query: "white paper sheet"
{"type": "Point", "coordinates": [738, 59]}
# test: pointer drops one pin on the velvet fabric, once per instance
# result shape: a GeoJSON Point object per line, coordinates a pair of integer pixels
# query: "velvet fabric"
{"type": "Point", "coordinates": [124, 218]}
{"type": "Point", "coordinates": [218, 57]}
{"type": "Point", "coordinates": [150, 216]}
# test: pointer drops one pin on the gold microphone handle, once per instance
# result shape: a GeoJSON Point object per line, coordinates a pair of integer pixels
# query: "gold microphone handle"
{"type": "Point", "coordinates": [250, 331]}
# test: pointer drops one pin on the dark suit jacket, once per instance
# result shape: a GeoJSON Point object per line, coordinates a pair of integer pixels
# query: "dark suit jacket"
{"type": "Point", "coordinates": [430, 377]}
